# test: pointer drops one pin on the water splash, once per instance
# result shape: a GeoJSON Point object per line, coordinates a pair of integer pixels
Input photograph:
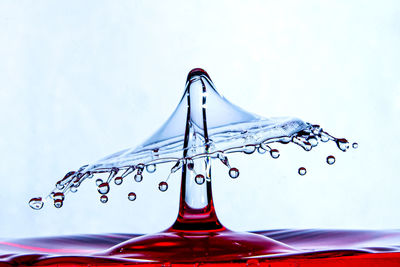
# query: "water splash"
{"type": "Point", "coordinates": [217, 128]}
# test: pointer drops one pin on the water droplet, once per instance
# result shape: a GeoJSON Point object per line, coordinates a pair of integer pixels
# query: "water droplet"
{"type": "Point", "coordinates": [233, 173]}
{"type": "Point", "coordinates": [36, 203]}
{"type": "Point", "coordinates": [103, 199]}
{"type": "Point", "coordinates": [190, 164]}
{"type": "Point", "coordinates": [177, 166]}
{"type": "Point", "coordinates": [59, 185]}
{"type": "Point", "coordinates": [138, 177]}
{"type": "Point", "coordinates": [275, 153]}
{"type": "Point", "coordinates": [151, 168]}
{"type": "Point", "coordinates": [330, 160]}
{"type": "Point", "coordinates": [342, 144]}
{"type": "Point", "coordinates": [163, 186]}
{"type": "Point", "coordinates": [140, 168]}
{"type": "Point", "coordinates": [58, 195]}
{"type": "Point", "coordinates": [302, 171]}
{"type": "Point", "coordinates": [324, 137]}
{"type": "Point", "coordinates": [118, 180]}
{"type": "Point", "coordinates": [313, 141]}
{"type": "Point", "coordinates": [265, 147]}
{"type": "Point", "coordinates": [249, 149]}
{"type": "Point", "coordinates": [99, 182]}
{"type": "Point", "coordinates": [261, 150]}
{"type": "Point", "coordinates": [58, 203]}
{"type": "Point", "coordinates": [73, 189]}
{"type": "Point", "coordinates": [131, 196]}
{"type": "Point", "coordinates": [316, 129]}
{"type": "Point", "coordinates": [103, 188]}
{"type": "Point", "coordinates": [355, 145]}
{"type": "Point", "coordinates": [200, 179]}
{"type": "Point", "coordinates": [223, 159]}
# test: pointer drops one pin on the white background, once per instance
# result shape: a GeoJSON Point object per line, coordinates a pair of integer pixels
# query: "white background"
{"type": "Point", "coordinates": [83, 79]}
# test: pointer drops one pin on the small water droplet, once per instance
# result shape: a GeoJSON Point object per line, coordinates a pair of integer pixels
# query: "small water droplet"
{"type": "Point", "coordinates": [36, 203]}
{"type": "Point", "coordinates": [261, 150]}
{"type": "Point", "coordinates": [313, 141]}
{"type": "Point", "coordinates": [163, 186]}
{"type": "Point", "coordinates": [250, 149]}
{"type": "Point", "coordinates": [103, 199]}
{"type": "Point", "coordinates": [275, 153]}
{"type": "Point", "coordinates": [190, 164]}
{"type": "Point", "coordinates": [58, 203]}
{"type": "Point", "coordinates": [103, 188]}
{"type": "Point", "coordinates": [302, 171]}
{"type": "Point", "coordinates": [324, 137]}
{"type": "Point", "coordinates": [99, 182]}
{"type": "Point", "coordinates": [118, 180]}
{"type": "Point", "coordinates": [138, 177]}
{"type": "Point", "coordinates": [200, 179]}
{"type": "Point", "coordinates": [355, 145]}
{"type": "Point", "coordinates": [59, 185]}
{"type": "Point", "coordinates": [233, 173]}
{"type": "Point", "coordinates": [140, 168]}
{"type": "Point", "coordinates": [342, 144]}
{"type": "Point", "coordinates": [223, 159]}
{"type": "Point", "coordinates": [73, 189]}
{"type": "Point", "coordinates": [330, 160]}
{"type": "Point", "coordinates": [151, 168]}
{"type": "Point", "coordinates": [131, 196]}
{"type": "Point", "coordinates": [177, 166]}
{"type": "Point", "coordinates": [58, 195]}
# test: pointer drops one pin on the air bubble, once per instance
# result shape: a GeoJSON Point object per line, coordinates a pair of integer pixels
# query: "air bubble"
{"type": "Point", "coordinates": [138, 177]}
{"type": "Point", "coordinates": [233, 173]}
{"type": "Point", "coordinates": [302, 171]}
{"type": "Point", "coordinates": [58, 203]}
{"type": "Point", "coordinates": [103, 188]}
{"type": "Point", "coordinates": [99, 182]}
{"type": "Point", "coordinates": [118, 180]}
{"type": "Point", "coordinates": [355, 145]}
{"type": "Point", "coordinates": [275, 153]}
{"type": "Point", "coordinates": [330, 160]}
{"type": "Point", "coordinates": [36, 203]}
{"type": "Point", "coordinates": [199, 179]}
{"type": "Point", "coordinates": [163, 186]}
{"type": "Point", "coordinates": [103, 199]}
{"type": "Point", "coordinates": [131, 196]}
{"type": "Point", "coordinates": [151, 168]}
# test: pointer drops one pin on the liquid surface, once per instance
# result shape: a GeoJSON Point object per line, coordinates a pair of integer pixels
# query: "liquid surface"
{"type": "Point", "coordinates": [331, 247]}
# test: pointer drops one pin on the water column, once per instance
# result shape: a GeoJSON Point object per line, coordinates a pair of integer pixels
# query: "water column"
{"type": "Point", "coordinates": [196, 209]}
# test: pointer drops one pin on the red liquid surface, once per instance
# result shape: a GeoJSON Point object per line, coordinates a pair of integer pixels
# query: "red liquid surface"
{"type": "Point", "coordinates": [310, 248]}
